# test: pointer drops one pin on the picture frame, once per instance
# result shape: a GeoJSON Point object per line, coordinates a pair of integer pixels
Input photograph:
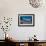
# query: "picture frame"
{"type": "Point", "coordinates": [26, 19]}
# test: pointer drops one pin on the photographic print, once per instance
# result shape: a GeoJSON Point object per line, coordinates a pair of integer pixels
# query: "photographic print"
{"type": "Point", "coordinates": [26, 19]}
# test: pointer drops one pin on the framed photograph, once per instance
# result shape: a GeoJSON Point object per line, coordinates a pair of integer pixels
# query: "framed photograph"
{"type": "Point", "coordinates": [26, 19]}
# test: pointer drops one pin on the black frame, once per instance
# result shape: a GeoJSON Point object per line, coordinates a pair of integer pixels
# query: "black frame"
{"type": "Point", "coordinates": [25, 15]}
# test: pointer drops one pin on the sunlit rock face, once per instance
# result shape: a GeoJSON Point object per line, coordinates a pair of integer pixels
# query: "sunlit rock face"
{"type": "Point", "coordinates": [35, 3]}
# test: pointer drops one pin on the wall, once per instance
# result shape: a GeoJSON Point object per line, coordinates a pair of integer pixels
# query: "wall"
{"type": "Point", "coordinates": [11, 8]}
